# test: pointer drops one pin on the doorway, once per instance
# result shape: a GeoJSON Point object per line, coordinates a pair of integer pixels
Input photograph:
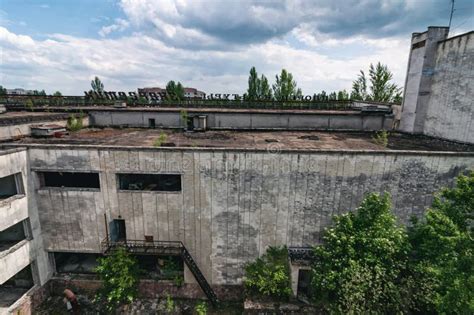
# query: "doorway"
{"type": "Point", "coordinates": [118, 232]}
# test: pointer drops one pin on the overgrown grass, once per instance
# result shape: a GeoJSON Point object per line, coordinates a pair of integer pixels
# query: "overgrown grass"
{"type": "Point", "coordinates": [160, 140]}
{"type": "Point", "coordinates": [381, 138]}
{"type": "Point", "coordinates": [269, 275]}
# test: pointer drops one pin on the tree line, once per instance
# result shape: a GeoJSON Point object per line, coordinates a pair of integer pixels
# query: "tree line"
{"type": "Point", "coordinates": [377, 86]}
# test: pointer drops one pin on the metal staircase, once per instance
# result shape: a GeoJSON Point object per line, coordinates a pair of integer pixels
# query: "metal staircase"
{"type": "Point", "coordinates": [188, 259]}
{"type": "Point", "coordinates": [163, 248]}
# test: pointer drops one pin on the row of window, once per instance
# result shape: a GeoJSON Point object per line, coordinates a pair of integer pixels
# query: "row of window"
{"type": "Point", "coordinates": [143, 182]}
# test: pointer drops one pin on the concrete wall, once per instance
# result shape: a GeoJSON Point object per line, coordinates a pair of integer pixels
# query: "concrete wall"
{"type": "Point", "coordinates": [451, 108]}
{"type": "Point", "coordinates": [234, 203]}
{"type": "Point", "coordinates": [18, 208]}
{"type": "Point", "coordinates": [241, 119]}
{"type": "Point", "coordinates": [439, 86]}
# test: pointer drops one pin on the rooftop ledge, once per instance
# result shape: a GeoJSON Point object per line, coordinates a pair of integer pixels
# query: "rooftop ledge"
{"type": "Point", "coordinates": [272, 142]}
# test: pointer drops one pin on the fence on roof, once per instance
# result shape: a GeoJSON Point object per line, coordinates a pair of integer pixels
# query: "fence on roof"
{"type": "Point", "coordinates": [38, 101]}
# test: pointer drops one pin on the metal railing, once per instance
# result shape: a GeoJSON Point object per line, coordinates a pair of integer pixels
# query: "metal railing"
{"type": "Point", "coordinates": [38, 101]}
{"type": "Point", "coordinates": [164, 248]}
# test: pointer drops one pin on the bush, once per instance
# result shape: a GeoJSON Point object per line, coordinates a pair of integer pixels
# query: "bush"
{"type": "Point", "coordinates": [74, 123]}
{"type": "Point", "coordinates": [443, 250]}
{"type": "Point", "coordinates": [381, 138]}
{"type": "Point", "coordinates": [160, 140]}
{"type": "Point", "coordinates": [360, 268]}
{"type": "Point", "coordinates": [119, 273]}
{"type": "Point", "coordinates": [201, 308]}
{"type": "Point", "coordinates": [269, 275]}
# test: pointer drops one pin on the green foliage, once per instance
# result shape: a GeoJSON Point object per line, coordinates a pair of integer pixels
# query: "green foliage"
{"type": "Point", "coordinates": [381, 138]}
{"type": "Point", "coordinates": [380, 89]}
{"type": "Point", "coordinates": [174, 91]}
{"type": "Point", "coordinates": [184, 117]}
{"type": "Point", "coordinates": [119, 274]}
{"type": "Point", "coordinates": [269, 275]}
{"type": "Point", "coordinates": [3, 91]}
{"type": "Point", "coordinates": [42, 92]}
{"type": "Point", "coordinates": [57, 93]}
{"type": "Point", "coordinates": [75, 123]}
{"type": "Point", "coordinates": [161, 139]}
{"type": "Point", "coordinates": [178, 280]}
{"type": "Point", "coordinates": [285, 87]}
{"type": "Point", "coordinates": [360, 267]}
{"type": "Point", "coordinates": [342, 95]}
{"type": "Point", "coordinates": [201, 308]}
{"type": "Point", "coordinates": [170, 305]}
{"type": "Point", "coordinates": [29, 104]}
{"type": "Point", "coordinates": [97, 85]}
{"type": "Point", "coordinates": [443, 250]}
{"type": "Point", "coordinates": [258, 88]}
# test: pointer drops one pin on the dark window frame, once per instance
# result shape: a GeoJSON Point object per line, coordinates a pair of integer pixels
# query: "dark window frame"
{"type": "Point", "coordinates": [45, 183]}
{"type": "Point", "coordinates": [158, 189]}
{"type": "Point", "coordinates": [17, 179]}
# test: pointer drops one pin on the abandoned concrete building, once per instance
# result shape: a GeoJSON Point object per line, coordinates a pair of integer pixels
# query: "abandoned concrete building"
{"type": "Point", "coordinates": [214, 197]}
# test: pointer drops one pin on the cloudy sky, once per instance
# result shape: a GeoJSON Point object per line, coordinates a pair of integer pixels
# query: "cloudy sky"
{"type": "Point", "coordinates": [211, 45]}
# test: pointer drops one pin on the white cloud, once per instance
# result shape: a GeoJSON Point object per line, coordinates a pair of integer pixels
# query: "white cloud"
{"type": "Point", "coordinates": [119, 26]}
{"type": "Point", "coordinates": [67, 63]}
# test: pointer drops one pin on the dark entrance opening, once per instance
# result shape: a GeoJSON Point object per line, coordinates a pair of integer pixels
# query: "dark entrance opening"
{"type": "Point", "coordinates": [304, 283]}
{"type": "Point", "coordinates": [162, 267]}
{"type": "Point", "coordinates": [82, 263]}
{"type": "Point", "coordinates": [151, 123]}
{"type": "Point", "coordinates": [118, 232]}
{"type": "Point", "coordinates": [16, 286]}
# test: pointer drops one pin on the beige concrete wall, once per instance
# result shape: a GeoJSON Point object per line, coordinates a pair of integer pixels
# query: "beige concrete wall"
{"type": "Point", "coordinates": [235, 203]}
{"type": "Point", "coordinates": [18, 208]}
{"type": "Point", "coordinates": [451, 108]}
{"type": "Point", "coordinates": [14, 259]}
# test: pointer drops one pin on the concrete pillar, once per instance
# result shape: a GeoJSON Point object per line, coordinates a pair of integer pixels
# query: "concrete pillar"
{"type": "Point", "coordinates": [420, 70]}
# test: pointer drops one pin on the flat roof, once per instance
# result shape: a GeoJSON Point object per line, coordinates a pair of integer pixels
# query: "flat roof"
{"type": "Point", "coordinates": [269, 140]}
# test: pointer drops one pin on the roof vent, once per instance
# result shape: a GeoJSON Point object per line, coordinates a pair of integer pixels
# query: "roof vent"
{"type": "Point", "coordinates": [47, 130]}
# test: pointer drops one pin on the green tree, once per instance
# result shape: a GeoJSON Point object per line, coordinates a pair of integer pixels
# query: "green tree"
{"type": "Point", "coordinates": [360, 267]}
{"type": "Point", "coordinates": [269, 275]}
{"type": "Point", "coordinates": [380, 89]}
{"type": "Point", "coordinates": [175, 91]}
{"type": "Point", "coordinates": [3, 91]}
{"type": "Point", "coordinates": [258, 88]}
{"type": "Point", "coordinates": [342, 95]}
{"type": "Point", "coordinates": [285, 88]}
{"type": "Point", "coordinates": [443, 251]}
{"type": "Point", "coordinates": [119, 273]}
{"type": "Point", "coordinates": [97, 85]}
{"type": "Point", "coordinates": [57, 93]}
{"type": "Point", "coordinates": [42, 92]}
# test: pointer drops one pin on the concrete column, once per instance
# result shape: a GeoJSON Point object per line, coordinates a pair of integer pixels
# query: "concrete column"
{"type": "Point", "coordinates": [420, 70]}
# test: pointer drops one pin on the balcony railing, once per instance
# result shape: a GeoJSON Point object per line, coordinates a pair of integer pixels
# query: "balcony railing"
{"type": "Point", "coordinates": [162, 248]}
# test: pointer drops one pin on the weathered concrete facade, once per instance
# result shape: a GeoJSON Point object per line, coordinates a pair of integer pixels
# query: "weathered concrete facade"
{"type": "Point", "coordinates": [21, 209]}
{"type": "Point", "coordinates": [439, 87]}
{"type": "Point", "coordinates": [234, 202]}
{"type": "Point", "coordinates": [246, 119]}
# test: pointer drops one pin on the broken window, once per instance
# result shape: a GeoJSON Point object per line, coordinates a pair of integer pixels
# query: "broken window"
{"type": "Point", "coordinates": [10, 186]}
{"type": "Point", "coordinates": [150, 182]}
{"type": "Point", "coordinates": [68, 179]}
{"type": "Point", "coordinates": [13, 235]}
{"type": "Point", "coordinates": [75, 262]}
